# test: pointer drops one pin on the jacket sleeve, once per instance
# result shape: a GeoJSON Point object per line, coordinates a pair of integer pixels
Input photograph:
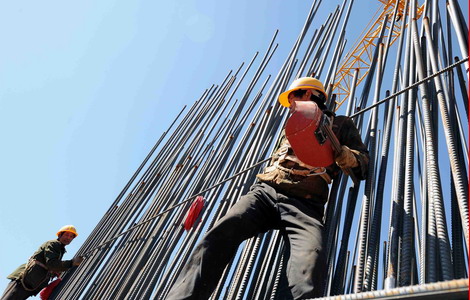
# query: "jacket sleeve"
{"type": "Point", "coordinates": [349, 135]}
{"type": "Point", "coordinates": [53, 255]}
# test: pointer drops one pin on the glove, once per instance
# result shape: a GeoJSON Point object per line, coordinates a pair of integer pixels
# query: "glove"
{"type": "Point", "coordinates": [76, 261]}
{"type": "Point", "coordinates": [346, 158]}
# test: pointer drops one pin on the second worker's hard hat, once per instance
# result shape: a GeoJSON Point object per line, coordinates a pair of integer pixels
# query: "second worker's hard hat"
{"type": "Point", "coordinates": [67, 228]}
{"type": "Point", "coordinates": [301, 84]}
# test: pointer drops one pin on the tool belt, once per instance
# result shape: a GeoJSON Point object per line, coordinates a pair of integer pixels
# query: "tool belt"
{"type": "Point", "coordinates": [306, 173]}
{"type": "Point", "coordinates": [306, 170]}
{"type": "Point", "coordinates": [300, 169]}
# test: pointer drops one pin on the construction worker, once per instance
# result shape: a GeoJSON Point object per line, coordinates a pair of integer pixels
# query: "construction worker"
{"type": "Point", "coordinates": [289, 196]}
{"type": "Point", "coordinates": [30, 278]}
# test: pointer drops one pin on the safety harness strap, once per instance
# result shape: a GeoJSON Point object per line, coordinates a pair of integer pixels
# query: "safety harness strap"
{"type": "Point", "coordinates": [307, 170]}
{"type": "Point", "coordinates": [30, 263]}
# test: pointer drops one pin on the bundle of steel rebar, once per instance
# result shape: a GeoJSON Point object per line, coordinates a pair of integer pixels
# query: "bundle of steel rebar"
{"type": "Point", "coordinates": [217, 147]}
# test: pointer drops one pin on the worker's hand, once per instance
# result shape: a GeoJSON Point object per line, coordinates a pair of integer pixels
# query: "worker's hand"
{"type": "Point", "coordinates": [76, 261]}
{"type": "Point", "coordinates": [346, 158]}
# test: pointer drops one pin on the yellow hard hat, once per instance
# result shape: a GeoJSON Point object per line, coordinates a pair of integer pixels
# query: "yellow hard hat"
{"type": "Point", "coordinates": [300, 84]}
{"type": "Point", "coordinates": [67, 228]}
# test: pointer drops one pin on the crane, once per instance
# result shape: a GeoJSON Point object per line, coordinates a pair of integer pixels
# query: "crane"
{"type": "Point", "coordinates": [361, 55]}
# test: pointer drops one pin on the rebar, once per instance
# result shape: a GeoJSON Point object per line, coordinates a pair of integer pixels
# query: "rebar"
{"type": "Point", "coordinates": [226, 137]}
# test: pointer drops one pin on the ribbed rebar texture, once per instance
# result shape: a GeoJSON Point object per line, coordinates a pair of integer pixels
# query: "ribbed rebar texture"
{"type": "Point", "coordinates": [417, 183]}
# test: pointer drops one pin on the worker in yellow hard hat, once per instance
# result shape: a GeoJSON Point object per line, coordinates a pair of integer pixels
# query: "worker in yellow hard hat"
{"type": "Point", "coordinates": [30, 278]}
{"type": "Point", "coordinates": [289, 196]}
{"type": "Point", "coordinates": [303, 85]}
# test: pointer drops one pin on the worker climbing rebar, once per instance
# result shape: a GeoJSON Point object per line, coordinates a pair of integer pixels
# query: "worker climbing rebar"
{"type": "Point", "coordinates": [140, 247]}
{"type": "Point", "coordinates": [30, 278]}
{"type": "Point", "coordinates": [289, 196]}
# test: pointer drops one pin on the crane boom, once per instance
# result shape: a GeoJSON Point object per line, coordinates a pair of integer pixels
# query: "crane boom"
{"type": "Point", "coordinates": [361, 55]}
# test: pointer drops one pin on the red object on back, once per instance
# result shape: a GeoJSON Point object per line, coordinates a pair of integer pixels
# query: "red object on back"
{"type": "Point", "coordinates": [47, 291]}
{"type": "Point", "coordinates": [194, 212]}
{"type": "Point", "coordinates": [300, 132]}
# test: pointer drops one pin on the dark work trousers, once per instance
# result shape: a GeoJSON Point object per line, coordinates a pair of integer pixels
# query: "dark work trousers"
{"type": "Point", "coordinates": [15, 291]}
{"type": "Point", "coordinates": [258, 211]}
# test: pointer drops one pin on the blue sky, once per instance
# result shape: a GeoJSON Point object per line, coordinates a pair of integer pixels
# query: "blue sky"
{"type": "Point", "coordinates": [87, 87]}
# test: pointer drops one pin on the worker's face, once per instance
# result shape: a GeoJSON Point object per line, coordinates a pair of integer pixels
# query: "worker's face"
{"type": "Point", "coordinates": [66, 238]}
{"type": "Point", "coordinates": [299, 95]}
